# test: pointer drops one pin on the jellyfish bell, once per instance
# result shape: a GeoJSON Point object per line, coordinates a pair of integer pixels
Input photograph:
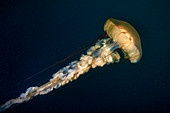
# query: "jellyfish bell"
{"type": "Point", "coordinates": [127, 38]}
{"type": "Point", "coordinates": [118, 35]}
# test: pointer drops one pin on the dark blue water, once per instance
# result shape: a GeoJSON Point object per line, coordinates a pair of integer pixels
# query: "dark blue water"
{"type": "Point", "coordinates": [37, 33]}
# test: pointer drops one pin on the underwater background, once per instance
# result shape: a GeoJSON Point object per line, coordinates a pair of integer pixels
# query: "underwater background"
{"type": "Point", "coordinates": [35, 34]}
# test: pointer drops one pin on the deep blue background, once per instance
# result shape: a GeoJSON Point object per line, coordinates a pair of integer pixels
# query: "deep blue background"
{"type": "Point", "coordinates": [37, 33]}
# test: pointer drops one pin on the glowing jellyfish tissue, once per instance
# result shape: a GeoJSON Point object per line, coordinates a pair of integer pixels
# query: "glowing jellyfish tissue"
{"type": "Point", "coordinates": [118, 35]}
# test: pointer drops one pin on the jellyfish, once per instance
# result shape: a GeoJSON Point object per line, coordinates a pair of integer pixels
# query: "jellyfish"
{"type": "Point", "coordinates": [118, 36]}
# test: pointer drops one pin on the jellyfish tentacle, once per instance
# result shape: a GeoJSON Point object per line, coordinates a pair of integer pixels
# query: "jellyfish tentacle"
{"type": "Point", "coordinates": [72, 71]}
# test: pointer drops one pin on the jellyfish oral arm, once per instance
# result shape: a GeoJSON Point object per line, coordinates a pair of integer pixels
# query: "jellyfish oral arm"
{"type": "Point", "coordinates": [104, 52]}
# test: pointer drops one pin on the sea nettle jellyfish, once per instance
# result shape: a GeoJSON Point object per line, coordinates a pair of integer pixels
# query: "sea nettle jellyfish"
{"type": "Point", "coordinates": [118, 35]}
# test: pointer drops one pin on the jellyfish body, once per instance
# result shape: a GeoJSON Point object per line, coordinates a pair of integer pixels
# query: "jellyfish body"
{"type": "Point", "coordinates": [126, 36]}
{"type": "Point", "coordinates": [121, 36]}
